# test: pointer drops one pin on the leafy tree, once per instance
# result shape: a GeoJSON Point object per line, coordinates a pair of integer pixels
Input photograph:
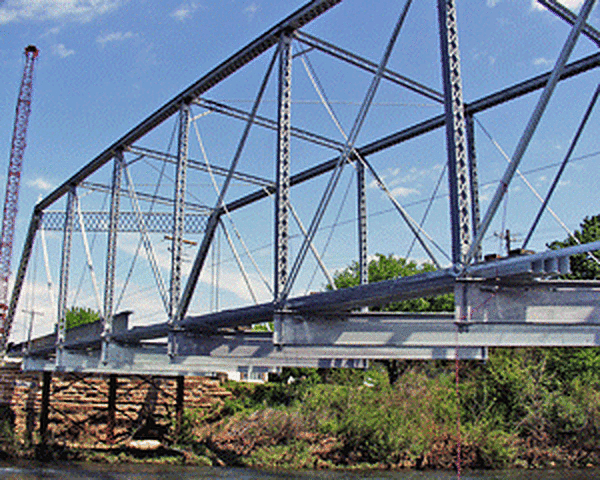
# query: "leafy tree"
{"type": "Point", "coordinates": [583, 266]}
{"type": "Point", "coordinates": [77, 316]}
{"type": "Point", "coordinates": [387, 268]}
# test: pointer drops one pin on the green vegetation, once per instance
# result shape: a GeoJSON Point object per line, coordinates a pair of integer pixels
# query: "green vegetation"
{"type": "Point", "coordinates": [78, 316]}
{"type": "Point", "coordinates": [387, 268]}
{"type": "Point", "coordinates": [583, 266]}
{"type": "Point", "coordinates": [523, 407]}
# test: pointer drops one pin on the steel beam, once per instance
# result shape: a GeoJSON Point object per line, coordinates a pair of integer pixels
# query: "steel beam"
{"type": "Point", "coordinates": [368, 332]}
{"type": "Point", "coordinates": [474, 177]}
{"type": "Point", "coordinates": [179, 209]}
{"type": "Point", "coordinates": [548, 303]}
{"type": "Point", "coordinates": [111, 252]}
{"type": "Point", "coordinates": [155, 222]}
{"type": "Point", "coordinates": [64, 276]}
{"type": "Point", "coordinates": [456, 140]}
{"type": "Point", "coordinates": [282, 174]}
{"type": "Point", "coordinates": [214, 219]}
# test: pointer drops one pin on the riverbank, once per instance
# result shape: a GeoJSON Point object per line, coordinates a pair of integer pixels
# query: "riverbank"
{"type": "Point", "coordinates": [523, 408]}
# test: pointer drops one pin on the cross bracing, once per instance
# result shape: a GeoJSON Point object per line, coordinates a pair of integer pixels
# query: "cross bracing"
{"type": "Point", "coordinates": [226, 178]}
{"type": "Point", "coordinates": [99, 222]}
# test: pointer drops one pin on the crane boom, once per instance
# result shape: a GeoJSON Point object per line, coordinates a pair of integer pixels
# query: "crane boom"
{"type": "Point", "coordinates": [11, 198]}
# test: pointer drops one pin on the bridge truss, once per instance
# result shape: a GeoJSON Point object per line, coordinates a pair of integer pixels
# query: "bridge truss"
{"type": "Point", "coordinates": [204, 189]}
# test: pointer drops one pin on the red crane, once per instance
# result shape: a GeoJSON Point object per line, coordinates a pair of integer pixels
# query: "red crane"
{"type": "Point", "coordinates": [12, 186]}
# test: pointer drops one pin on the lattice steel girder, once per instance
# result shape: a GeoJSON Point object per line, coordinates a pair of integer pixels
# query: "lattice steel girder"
{"type": "Point", "coordinates": [282, 174]}
{"type": "Point", "coordinates": [179, 208]}
{"type": "Point", "coordinates": [361, 195]}
{"type": "Point", "coordinates": [474, 180]}
{"type": "Point", "coordinates": [254, 49]}
{"type": "Point", "coordinates": [64, 274]}
{"type": "Point", "coordinates": [111, 250]}
{"type": "Point", "coordinates": [459, 173]}
{"type": "Point", "coordinates": [156, 222]}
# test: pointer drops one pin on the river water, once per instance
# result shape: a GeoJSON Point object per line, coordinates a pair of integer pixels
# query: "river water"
{"type": "Point", "coordinates": [31, 471]}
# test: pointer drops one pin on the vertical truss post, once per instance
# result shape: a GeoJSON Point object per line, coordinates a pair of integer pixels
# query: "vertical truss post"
{"type": "Point", "coordinates": [64, 275]}
{"type": "Point", "coordinates": [214, 219]}
{"type": "Point", "coordinates": [472, 156]}
{"type": "Point", "coordinates": [346, 152]}
{"type": "Point", "coordinates": [458, 167]}
{"type": "Point", "coordinates": [178, 221]}
{"type": "Point", "coordinates": [282, 193]}
{"type": "Point", "coordinates": [363, 267]}
{"type": "Point", "coordinates": [111, 252]}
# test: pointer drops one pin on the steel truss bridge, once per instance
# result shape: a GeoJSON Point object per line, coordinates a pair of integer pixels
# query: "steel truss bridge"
{"type": "Point", "coordinates": [517, 300]}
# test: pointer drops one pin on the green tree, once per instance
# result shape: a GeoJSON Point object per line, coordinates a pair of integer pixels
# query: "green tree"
{"type": "Point", "coordinates": [583, 266]}
{"type": "Point", "coordinates": [388, 267]}
{"type": "Point", "coordinates": [77, 316]}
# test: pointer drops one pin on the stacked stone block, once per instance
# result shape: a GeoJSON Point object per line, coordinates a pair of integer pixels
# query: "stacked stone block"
{"type": "Point", "coordinates": [79, 406]}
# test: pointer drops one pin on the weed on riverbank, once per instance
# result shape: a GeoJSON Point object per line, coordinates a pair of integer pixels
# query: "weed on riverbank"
{"type": "Point", "coordinates": [530, 408]}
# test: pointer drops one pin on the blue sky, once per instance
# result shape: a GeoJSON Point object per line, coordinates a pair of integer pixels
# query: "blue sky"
{"type": "Point", "coordinates": [105, 65]}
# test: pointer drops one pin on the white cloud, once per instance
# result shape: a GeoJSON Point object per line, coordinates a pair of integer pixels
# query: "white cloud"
{"type": "Point", "coordinates": [542, 62]}
{"type": "Point", "coordinates": [403, 192]}
{"type": "Point", "coordinates": [52, 31]}
{"type": "Point", "coordinates": [74, 10]}
{"type": "Point", "coordinates": [570, 4]}
{"type": "Point", "coordinates": [115, 37]}
{"type": "Point", "coordinates": [251, 10]}
{"type": "Point", "coordinates": [492, 3]}
{"type": "Point", "coordinates": [40, 184]}
{"type": "Point", "coordinates": [184, 11]}
{"type": "Point", "coordinates": [62, 51]}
